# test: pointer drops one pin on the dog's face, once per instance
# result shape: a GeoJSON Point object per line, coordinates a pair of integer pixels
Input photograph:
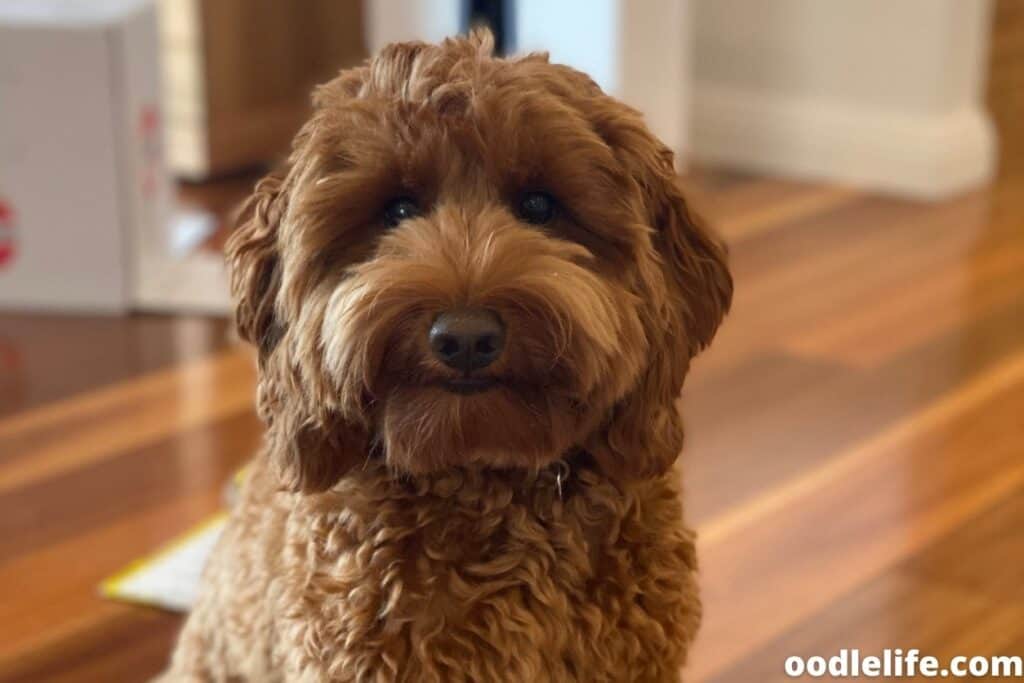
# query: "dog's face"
{"type": "Point", "coordinates": [472, 261]}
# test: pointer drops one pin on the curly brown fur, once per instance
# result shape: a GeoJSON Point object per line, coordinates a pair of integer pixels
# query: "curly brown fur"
{"type": "Point", "coordinates": [395, 529]}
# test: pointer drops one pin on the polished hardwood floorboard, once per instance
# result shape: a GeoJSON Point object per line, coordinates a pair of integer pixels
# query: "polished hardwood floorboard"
{"type": "Point", "coordinates": [855, 455]}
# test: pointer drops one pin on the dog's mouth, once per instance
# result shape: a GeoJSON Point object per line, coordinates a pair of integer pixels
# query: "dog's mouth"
{"type": "Point", "coordinates": [466, 386]}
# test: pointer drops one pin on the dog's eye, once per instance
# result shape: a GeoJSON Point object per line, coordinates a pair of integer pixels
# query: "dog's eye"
{"type": "Point", "coordinates": [399, 210]}
{"type": "Point", "coordinates": [536, 207]}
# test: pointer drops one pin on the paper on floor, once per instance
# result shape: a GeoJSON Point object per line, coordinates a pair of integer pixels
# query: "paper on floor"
{"type": "Point", "coordinates": [170, 578]}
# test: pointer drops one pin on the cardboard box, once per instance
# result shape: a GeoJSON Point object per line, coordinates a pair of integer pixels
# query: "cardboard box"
{"type": "Point", "coordinates": [238, 75]}
{"type": "Point", "coordinates": [82, 178]}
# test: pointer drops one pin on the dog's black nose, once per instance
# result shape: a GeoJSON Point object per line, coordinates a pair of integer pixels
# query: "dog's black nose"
{"type": "Point", "coordinates": [468, 339]}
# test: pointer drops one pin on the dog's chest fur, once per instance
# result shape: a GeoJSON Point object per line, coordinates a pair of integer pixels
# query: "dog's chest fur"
{"type": "Point", "coordinates": [463, 576]}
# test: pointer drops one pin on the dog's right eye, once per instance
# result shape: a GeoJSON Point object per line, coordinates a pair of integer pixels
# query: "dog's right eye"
{"type": "Point", "coordinates": [399, 210]}
{"type": "Point", "coordinates": [537, 208]}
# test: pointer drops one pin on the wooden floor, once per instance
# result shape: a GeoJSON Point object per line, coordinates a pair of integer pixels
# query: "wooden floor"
{"type": "Point", "coordinates": [855, 461]}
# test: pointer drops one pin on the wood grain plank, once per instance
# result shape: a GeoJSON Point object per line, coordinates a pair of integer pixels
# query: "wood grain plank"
{"type": "Point", "coordinates": [745, 209]}
{"type": "Point", "coordinates": [984, 556]}
{"type": "Point", "coordinates": [49, 357]}
{"type": "Point", "coordinates": [820, 269]}
{"type": "Point", "coordinates": [54, 590]}
{"type": "Point", "coordinates": [892, 611]}
{"type": "Point", "coordinates": [130, 645]}
{"type": "Point", "coordinates": [937, 302]}
{"type": "Point", "coordinates": [131, 482]}
{"type": "Point", "coordinates": [795, 420]}
{"type": "Point", "coordinates": [62, 436]}
{"type": "Point", "coordinates": [961, 595]}
{"type": "Point", "coordinates": [780, 558]}
{"type": "Point", "coordinates": [1005, 76]}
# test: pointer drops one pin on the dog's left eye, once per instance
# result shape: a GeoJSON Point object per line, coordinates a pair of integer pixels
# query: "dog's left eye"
{"type": "Point", "coordinates": [399, 210]}
{"type": "Point", "coordinates": [536, 207]}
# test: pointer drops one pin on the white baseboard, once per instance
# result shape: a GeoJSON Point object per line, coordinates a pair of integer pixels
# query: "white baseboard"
{"type": "Point", "coordinates": [917, 155]}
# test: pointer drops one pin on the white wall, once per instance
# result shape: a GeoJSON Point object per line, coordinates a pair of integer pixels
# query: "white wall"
{"type": "Point", "coordinates": [581, 33]}
{"type": "Point", "coordinates": [879, 93]}
{"type": "Point", "coordinates": [635, 50]}
{"type": "Point", "coordinates": [392, 21]}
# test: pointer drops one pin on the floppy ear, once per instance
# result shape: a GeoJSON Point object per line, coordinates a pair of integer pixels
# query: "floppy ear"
{"type": "Point", "coordinates": [312, 446]}
{"type": "Point", "coordinates": [685, 306]}
{"type": "Point", "coordinates": [695, 263]}
{"type": "Point", "coordinates": [252, 257]}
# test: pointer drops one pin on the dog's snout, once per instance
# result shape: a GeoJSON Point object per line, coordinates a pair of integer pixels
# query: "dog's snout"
{"type": "Point", "coordinates": [468, 339]}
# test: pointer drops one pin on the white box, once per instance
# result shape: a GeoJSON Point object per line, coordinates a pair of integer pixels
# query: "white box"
{"type": "Point", "coordinates": [82, 178]}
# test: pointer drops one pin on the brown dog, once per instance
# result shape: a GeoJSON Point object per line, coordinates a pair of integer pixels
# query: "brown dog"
{"type": "Point", "coordinates": [475, 291]}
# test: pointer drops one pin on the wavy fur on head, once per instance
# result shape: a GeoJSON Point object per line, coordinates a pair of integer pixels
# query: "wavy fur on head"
{"type": "Point", "coordinates": [397, 530]}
